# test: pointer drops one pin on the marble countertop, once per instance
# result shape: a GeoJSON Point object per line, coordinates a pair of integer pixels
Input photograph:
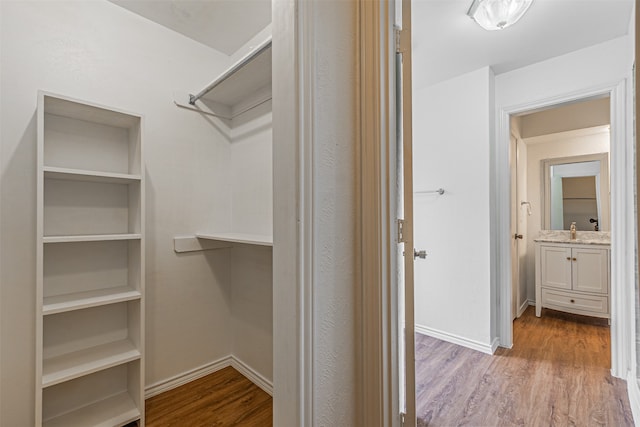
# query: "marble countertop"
{"type": "Point", "coordinates": [582, 237]}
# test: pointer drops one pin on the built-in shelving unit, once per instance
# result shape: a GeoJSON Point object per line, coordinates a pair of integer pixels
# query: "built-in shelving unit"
{"type": "Point", "coordinates": [90, 265]}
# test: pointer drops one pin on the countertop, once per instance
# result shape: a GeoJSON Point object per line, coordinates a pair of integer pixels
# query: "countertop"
{"type": "Point", "coordinates": [582, 237]}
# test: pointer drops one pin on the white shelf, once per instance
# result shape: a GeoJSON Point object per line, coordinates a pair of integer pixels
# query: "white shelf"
{"type": "Point", "coordinates": [83, 362]}
{"type": "Point", "coordinates": [90, 238]}
{"type": "Point", "coordinates": [116, 410]}
{"type": "Point", "coordinates": [52, 172]}
{"type": "Point", "coordinates": [80, 300]}
{"type": "Point", "coordinates": [249, 239]}
{"type": "Point", "coordinates": [242, 79]}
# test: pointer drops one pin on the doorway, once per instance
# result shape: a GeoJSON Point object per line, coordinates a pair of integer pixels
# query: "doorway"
{"type": "Point", "coordinates": [571, 140]}
{"type": "Point", "coordinates": [622, 245]}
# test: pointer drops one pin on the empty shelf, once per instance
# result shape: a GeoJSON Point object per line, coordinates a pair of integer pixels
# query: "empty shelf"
{"type": "Point", "coordinates": [90, 238]}
{"type": "Point", "coordinates": [80, 300]}
{"type": "Point", "coordinates": [83, 362]}
{"type": "Point", "coordinates": [250, 239]}
{"type": "Point", "coordinates": [114, 411]}
{"type": "Point", "coordinates": [52, 172]}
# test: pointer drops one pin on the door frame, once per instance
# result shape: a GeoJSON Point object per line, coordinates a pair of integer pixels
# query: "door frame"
{"type": "Point", "coordinates": [622, 219]}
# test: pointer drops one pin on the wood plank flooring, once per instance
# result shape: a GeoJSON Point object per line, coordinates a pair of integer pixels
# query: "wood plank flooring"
{"type": "Point", "coordinates": [224, 398]}
{"type": "Point", "coordinates": [556, 374]}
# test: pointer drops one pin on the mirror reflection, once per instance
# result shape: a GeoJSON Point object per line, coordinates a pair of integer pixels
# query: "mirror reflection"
{"type": "Point", "coordinates": [574, 193]}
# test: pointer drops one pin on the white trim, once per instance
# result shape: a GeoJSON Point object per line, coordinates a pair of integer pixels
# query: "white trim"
{"type": "Point", "coordinates": [207, 369]}
{"type": "Point", "coordinates": [252, 375]}
{"type": "Point", "coordinates": [457, 339]}
{"type": "Point", "coordinates": [523, 307]}
{"type": "Point", "coordinates": [623, 244]}
{"type": "Point", "coordinates": [186, 377]}
{"type": "Point", "coordinates": [633, 390]}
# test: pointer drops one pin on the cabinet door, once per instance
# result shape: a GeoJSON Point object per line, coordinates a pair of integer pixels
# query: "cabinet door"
{"type": "Point", "coordinates": [556, 267]}
{"type": "Point", "coordinates": [590, 270]}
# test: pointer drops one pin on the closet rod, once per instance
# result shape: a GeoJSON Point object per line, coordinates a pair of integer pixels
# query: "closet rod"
{"type": "Point", "coordinates": [235, 67]}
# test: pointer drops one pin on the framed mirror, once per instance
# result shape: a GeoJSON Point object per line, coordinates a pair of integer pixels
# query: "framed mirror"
{"type": "Point", "coordinates": [576, 189]}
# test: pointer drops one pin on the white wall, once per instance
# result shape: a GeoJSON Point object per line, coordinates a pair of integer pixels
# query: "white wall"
{"type": "Point", "coordinates": [100, 52]}
{"type": "Point", "coordinates": [552, 147]}
{"type": "Point", "coordinates": [451, 150]}
{"type": "Point", "coordinates": [251, 266]}
{"type": "Point", "coordinates": [598, 65]}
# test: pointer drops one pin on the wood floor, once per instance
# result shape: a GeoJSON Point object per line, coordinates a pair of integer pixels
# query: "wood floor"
{"type": "Point", "coordinates": [224, 398]}
{"type": "Point", "coordinates": [556, 374]}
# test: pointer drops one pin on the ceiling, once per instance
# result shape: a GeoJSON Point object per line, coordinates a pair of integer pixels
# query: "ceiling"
{"type": "Point", "coordinates": [446, 42]}
{"type": "Point", "coordinates": [443, 34]}
{"type": "Point", "coordinates": [225, 25]}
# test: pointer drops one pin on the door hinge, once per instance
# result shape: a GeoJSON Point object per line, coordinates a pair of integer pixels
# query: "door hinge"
{"type": "Point", "coordinates": [398, 45]}
{"type": "Point", "coordinates": [400, 230]}
{"type": "Point", "coordinates": [402, 415]}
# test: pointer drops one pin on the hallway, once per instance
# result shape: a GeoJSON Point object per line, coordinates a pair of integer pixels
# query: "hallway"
{"type": "Point", "coordinates": [557, 374]}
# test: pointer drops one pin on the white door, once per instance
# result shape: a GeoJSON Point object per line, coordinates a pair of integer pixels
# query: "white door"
{"type": "Point", "coordinates": [406, 333]}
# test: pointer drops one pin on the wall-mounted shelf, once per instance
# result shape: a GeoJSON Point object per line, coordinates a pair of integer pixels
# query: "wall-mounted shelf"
{"type": "Point", "coordinates": [207, 241]}
{"type": "Point", "coordinates": [242, 87]}
{"type": "Point", "coordinates": [249, 239]}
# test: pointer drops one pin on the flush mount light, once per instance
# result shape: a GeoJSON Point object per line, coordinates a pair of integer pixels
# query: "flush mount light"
{"type": "Point", "coordinates": [498, 14]}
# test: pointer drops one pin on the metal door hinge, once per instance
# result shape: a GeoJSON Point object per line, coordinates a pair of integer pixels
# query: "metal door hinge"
{"type": "Point", "coordinates": [402, 415]}
{"type": "Point", "coordinates": [400, 230]}
{"type": "Point", "coordinates": [402, 41]}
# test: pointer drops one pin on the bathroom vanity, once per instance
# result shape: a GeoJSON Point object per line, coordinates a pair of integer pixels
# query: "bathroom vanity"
{"type": "Point", "coordinates": [573, 275]}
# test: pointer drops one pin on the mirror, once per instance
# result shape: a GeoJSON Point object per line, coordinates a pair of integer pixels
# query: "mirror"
{"type": "Point", "coordinates": [577, 190]}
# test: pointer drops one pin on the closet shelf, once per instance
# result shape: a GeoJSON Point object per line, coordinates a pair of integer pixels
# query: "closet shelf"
{"type": "Point", "coordinates": [90, 238]}
{"type": "Point", "coordinates": [68, 366]}
{"type": "Point", "coordinates": [53, 172]}
{"type": "Point", "coordinates": [250, 239]}
{"type": "Point", "coordinates": [242, 87]}
{"type": "Point", "coordinates": [116, 410]}
{"type": "Point", "coordinates": [87, 299]}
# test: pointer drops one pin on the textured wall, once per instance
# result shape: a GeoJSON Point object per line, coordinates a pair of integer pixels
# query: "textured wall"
{"type": "Point", "coordinates": [99, 52]}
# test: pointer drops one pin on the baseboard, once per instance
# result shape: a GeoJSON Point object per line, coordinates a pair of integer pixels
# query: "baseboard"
{"type": "Point", "coordinates": [455, 339]}
{"type": "Point", "coordinates": [523, 307]}
{"type": "Point", "coordinates": [633, 389]}
{"type": "Point", "coordinates": [204, 370]}
{"type": "Point", "coordinates": [252, 375]}
{"type": "Point", "coordinates": [185, 377]}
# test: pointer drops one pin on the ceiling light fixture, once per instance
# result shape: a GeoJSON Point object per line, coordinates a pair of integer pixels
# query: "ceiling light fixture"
{"type": "Point", "coordinates": [498, 14]}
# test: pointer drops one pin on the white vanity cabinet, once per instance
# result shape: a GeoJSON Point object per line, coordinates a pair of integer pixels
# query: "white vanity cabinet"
{"type": "Point", "coordinates": [573, 277]}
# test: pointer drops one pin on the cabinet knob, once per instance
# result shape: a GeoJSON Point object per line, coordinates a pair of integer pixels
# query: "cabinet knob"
{"type": "Point", "coordinates": [573, 300]}
{"type": "Point", "coordinates": [568, 258]}
{"type": "Point", "coordinates": [575, 259]}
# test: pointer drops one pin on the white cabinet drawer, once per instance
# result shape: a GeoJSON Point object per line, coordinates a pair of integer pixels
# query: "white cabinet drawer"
{"type": "Point", "coordinates": [580, 304]}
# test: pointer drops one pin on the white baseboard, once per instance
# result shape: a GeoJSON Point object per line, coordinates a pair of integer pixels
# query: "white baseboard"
{"type": "Point", "coordinates": [524, 306]}
{"type": "Point", "coordinates": [252, 375]}
{"type": "Point", "coordinates": [185, 377]}
{"type": "Point", "coordinates": [455, 339]}
{"type": "Point", "coordinates": [204, 370]}
{"type": "Point", "coordinates": [633, 389]}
